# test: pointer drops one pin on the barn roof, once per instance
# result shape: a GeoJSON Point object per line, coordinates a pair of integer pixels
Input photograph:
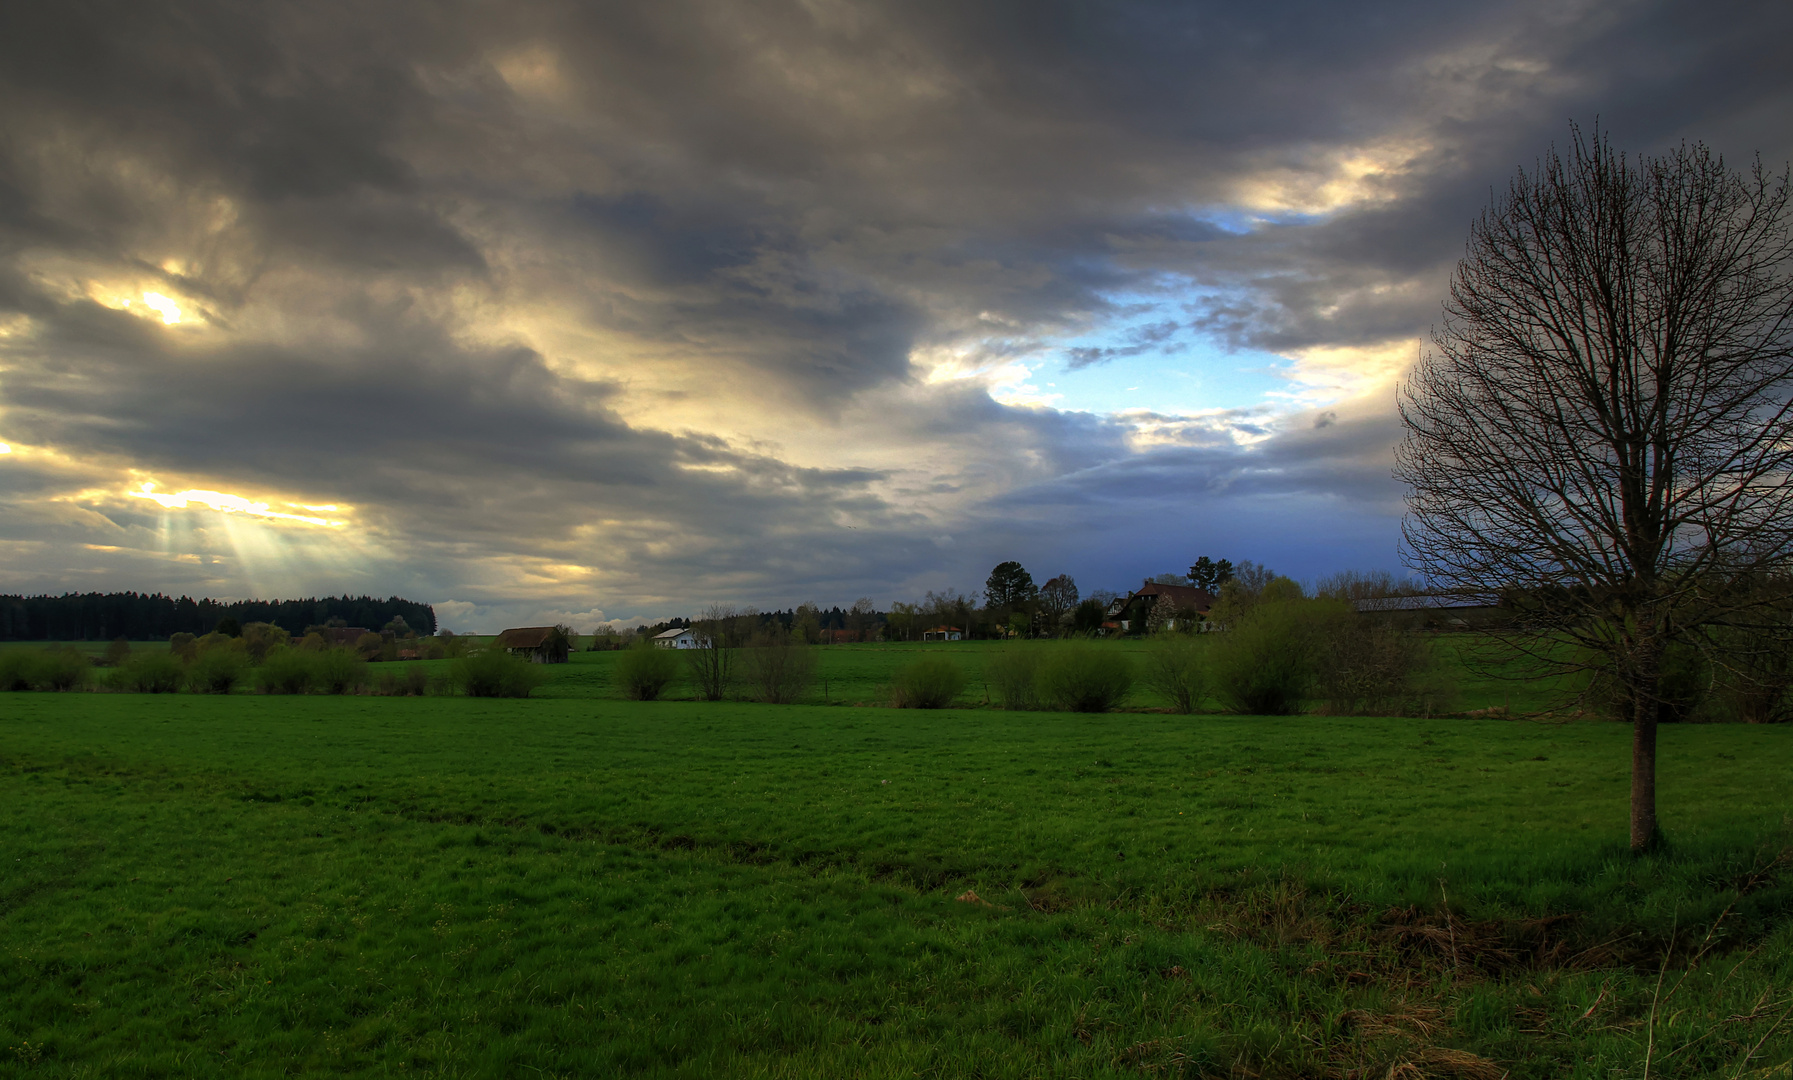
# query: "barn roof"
{"type": "Point", "coordinates": [525, 637]}
{"type": "Point", "coordinates": [1431, 602]}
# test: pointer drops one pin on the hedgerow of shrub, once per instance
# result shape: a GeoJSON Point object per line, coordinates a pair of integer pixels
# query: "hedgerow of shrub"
{"type": "Point", "coordinates": [43, 669]}
{"type": "Point", "coordinates": [644, 671]}
{"type": "Point", "coordinates": [495, 673]}
{"type": "Point", "coordinates": [930, 682]}
{"type": "Point", "coordinates": [1084, 677]}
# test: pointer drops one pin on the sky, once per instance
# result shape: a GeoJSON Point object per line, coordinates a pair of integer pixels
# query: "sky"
{"type": "Point", "coordinates": [608, 312]}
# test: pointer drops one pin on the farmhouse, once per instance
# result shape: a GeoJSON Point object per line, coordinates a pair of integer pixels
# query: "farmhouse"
{"type": "Point", "coordinates": [943, 633]}
{"type": "Point", "coordinates": [538, 644]}
{"type": "Point", "coordinates": [679, 637]}
{"type": "Point", "coordinates": [1129, 613]}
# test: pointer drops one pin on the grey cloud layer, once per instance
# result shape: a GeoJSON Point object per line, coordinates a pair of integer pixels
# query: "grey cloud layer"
{"type": "Point", "coordinates": [449, 257]}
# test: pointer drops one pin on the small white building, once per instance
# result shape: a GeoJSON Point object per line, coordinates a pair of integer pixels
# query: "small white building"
{"type": "Point", "coordinates": [678, 638]}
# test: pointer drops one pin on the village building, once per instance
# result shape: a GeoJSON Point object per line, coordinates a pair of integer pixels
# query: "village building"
{"type": "Point", "coordinates": [943, 633]}
{"type": "Point", "coordinates": [679, 637]}
{"type": "Point", "coordinates": [1128, 614]}
{"type": "Point", "coordinates": [537, 644]}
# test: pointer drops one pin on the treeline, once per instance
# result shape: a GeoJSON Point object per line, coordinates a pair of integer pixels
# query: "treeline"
{"type": "Point", "coordinates": [155, 617]}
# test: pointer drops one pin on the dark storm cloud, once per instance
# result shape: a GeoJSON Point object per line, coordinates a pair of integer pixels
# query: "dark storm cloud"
{"type": "Point", "coordinates": [487, 271]}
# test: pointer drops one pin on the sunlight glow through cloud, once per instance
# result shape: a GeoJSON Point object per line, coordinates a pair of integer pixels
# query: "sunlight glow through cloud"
{"type": "Point", "coordinates": [166, 307]}
{"type": "Point", "coordinates": [230, 504]}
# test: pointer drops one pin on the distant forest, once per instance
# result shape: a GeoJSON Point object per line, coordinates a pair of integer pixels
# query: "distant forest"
{"type": "Point", "coordinates": [140, 617]}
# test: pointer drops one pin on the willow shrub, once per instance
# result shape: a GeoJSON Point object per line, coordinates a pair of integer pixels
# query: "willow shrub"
{"type": "Point", "coordinates": [1265, 663]}
{"type": "Point", "coordinates": [150, 673]}
{"type": "Point", "coordinates": [929, 682]}
{"type": "Point", "coordinates": [341, 671]}
{"type": "Point", "coordinates": [778, 666]}
{"type": "Point", "coordinates": [1083, 677]}
{"type": "Point", "coordinates": [644, 671]}
{"type": "Point", "coordinates": [218, 670]}
{"type": "Point", "coordinates": [285, 671]}
{"type": "Point", "coordinates": [43, 669]}
{"type": "Point", "coordinates": [1176, 667]}
{"type": "Point", "coordinates": [1013, 676]}
{"type": "Point", "coordinates": [18, 669]}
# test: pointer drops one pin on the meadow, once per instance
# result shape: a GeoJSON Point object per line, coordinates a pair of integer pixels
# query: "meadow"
{"type": "Point", "coordinates": [574, 885]}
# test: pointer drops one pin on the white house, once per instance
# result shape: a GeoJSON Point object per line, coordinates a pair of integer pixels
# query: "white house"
{"type": "Point", "coordinates": [679, 638]}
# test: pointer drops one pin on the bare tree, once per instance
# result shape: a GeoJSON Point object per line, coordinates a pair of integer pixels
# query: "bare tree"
{"type": "Point", "coordinates": [779, 665]}
{"type": "Point", "coordinates": [950, 607]}
{"type": "Point", "coordinates": [1057, 598]}
{"type": "Point", "coordinates": [1364, 585]}
{"type": "Point", "coordinates": [720, 631]}
{"type": "Point", "coordinates": [1602, 430]}
{"type": "Point", "coordinates": [862, 618]}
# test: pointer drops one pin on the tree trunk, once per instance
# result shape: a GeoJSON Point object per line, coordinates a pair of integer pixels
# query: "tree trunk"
{"type": "Point", "coordinates": [1646, 709]}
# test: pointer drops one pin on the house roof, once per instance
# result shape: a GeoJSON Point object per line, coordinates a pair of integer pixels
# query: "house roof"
{"type": "Point", "coordinates": [666, 635]}
{"type": "Point", "coordinates": [1180, 596]}
{"type": "Point", "coordinates": [938, 629]}
{"type": "Point", "coordinates": [525, 637]}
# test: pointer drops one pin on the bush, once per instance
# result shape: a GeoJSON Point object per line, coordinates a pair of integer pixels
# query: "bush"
{"type": "Point", "coordinates": [150, 673]}
{"type": "Point", "coordinates": [778, 667]}
{"type": "Point", "coordinates": [18, 669]}
{"type": "Point", "coordinates": [286, 671]}
{"type": "Point", "coordinates": [118, 651]}
{"type": "Point", "coordinates": [259, 637]}
{"type": "Point", "coordinates": [1175, 668]}
{"type": "Point", "coordinates": [183, 645]}
{"type": "Point", "coordinates": [1369, 666]}
{"type": "Point", "coordinates": [931, 682]}
{"type": "Point", "coordinates": [1084, 677]}
{"type": "Point", "coordinates": [644, 670]}
{"type": "Point", "coordinates": [1014, 678]}
{"type": "Point", "coordinates": [495, 673]}
{"type": "Point", "coordinates": [339, 671]}
{"type": "Point", "coordinates": [415, 682]}
{"type": "Point", "coordinates": [43, 669]}
{"type": "Point", "coordinates": [218, 670]}
{"type": "Point", "coordinates": [1264, 663]}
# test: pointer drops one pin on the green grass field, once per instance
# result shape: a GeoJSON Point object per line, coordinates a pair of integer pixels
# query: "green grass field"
{"type": "Point", "coordinates": [861, 674]}
{"type": "Point", "coordinates": [261, 886]}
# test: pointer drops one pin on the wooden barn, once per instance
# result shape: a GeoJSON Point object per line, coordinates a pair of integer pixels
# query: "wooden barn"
{"type": "Point", "coordinates": [537, 644]}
